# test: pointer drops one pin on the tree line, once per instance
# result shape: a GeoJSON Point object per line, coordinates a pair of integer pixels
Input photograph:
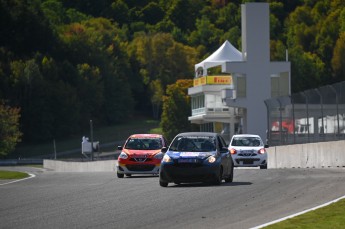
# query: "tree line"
{"type": "Point", "coordinates": [65, 62]}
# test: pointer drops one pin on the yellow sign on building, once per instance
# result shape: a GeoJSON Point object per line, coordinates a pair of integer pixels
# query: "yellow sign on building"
{"type": "Point", "coordinates": [212, 80]}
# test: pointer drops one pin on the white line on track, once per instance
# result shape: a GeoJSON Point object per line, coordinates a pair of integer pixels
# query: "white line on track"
{"type": "Point", "coordinates": [30, 176]}
{"type": "Point", "coordinates": [297, 214]}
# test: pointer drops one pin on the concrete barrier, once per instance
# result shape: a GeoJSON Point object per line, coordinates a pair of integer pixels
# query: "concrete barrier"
{"type": "Point", "coordinates": [14, 162]}
{"type": "Point", "coordinates": [311, 155]}
{"type": "Point", "coordinates": [89, 166]}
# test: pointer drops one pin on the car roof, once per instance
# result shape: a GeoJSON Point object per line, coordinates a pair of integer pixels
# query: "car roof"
{"type": "Point", "coordinates": [145, 136]}
{"type": "Point", "coordinates": [203, 134]}
{"type": "Point", "coordinates": [246, 135]}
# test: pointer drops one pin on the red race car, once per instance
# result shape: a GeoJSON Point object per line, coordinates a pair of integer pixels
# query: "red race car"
{"type": "Point", "coordinates": [141, 154]}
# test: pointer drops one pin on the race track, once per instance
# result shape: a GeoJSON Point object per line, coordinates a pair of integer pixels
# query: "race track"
{"type": "Point", "coordinates": [101, 200]}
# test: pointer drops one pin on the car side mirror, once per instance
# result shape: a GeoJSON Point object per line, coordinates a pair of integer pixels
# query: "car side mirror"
{"type": "Point", "coordinates": [267, 146]}
{"type": "Point", "coordinates": [164, 149]}
{"type": "Point", "coordinates": [224, 149]}
{"type": "Point", "coordinates": [119, 147]}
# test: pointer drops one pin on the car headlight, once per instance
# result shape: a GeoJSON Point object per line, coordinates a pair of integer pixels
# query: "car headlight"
{"type": "Point", "coordinates": [166, 158]}
{"type": "Point", "coordinates": [211, 159]}
{"type": "Point", "coordinates": [159, 156]}
{"type": "Point", "coordinates": [123, 155]}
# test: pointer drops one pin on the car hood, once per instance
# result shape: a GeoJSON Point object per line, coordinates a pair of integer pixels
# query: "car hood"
{"type": "Point", "coordinates": [245, 148]}
{"type": "Point", "coordinates": [199, 155]}
{"type": "Point", "coordinates": [141, 153]}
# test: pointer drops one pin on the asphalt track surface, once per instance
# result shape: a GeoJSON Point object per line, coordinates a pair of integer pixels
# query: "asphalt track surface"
{"type": "Point", "coordinates": [101, 200]}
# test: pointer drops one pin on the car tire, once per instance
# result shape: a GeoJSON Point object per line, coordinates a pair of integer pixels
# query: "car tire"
{"type": "Point", "coordinates": [120, 175]}
{"type": "Point", "coordinates": [163, 184]}
{"type": "Point", "coordinates": [219, 178]}
{"type": "Point", "coordinates": [230, 178]}
{"type": "Point", "coordinates": [263, 166]}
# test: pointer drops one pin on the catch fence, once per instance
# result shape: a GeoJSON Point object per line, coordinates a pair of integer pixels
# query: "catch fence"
{"type": "Point", "coordinates": [313, 115]}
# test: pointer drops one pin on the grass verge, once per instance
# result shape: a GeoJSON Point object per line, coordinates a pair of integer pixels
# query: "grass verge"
{"type": "Point", "coordinates": [331, 216]}
{"type": "Point", "coordinates": [12, 175]}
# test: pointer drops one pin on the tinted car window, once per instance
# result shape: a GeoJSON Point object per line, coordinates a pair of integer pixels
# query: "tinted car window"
{"type": "Point", "coordinates": [246, 141]}
{"type": "Point", "coordinates": [193, 144]}
{"type": "Point", "coordinates": [144, 144]}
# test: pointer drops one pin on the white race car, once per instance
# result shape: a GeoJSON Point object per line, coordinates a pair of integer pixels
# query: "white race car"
{"type": "Point", "coordinates": [248, 150]}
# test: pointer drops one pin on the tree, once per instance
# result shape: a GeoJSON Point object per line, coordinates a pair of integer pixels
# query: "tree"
{"type": "Point", "coordinates": [152, 13]}
{"type": "Point", "coordinates": [10, 134]}
{"type": "Point", "coordinates": [228, 17]}
{"type": "Point", "coordinates": [176, 109]}
{"type": "Point", "coordinates": [206, 34]}
{"type": "Point", "coordinates": [24, 29]}
{"type": "Point", "coordinates": [301, 29]}
{"type": "Point", "coordinates": [119, 11]}
{"type": "Point", "coordinates": [159, 57]}
{"type": "Point", "coordinates": [97, 48]}
{"type": "Point", "coordinates": [183, 13]}
{"type": "Point", "coordinates": [314, 27]}
{"type": "Point", "coordinates": [156, 97]}
{"type": "Point", "coordinates": [53, 11]}
{"type": "Point", "coordinates": [277, 50]}
{"type": "Point", "coordinates": [338, 60]}
{"type": "Point", "coordinates": [307, 70]}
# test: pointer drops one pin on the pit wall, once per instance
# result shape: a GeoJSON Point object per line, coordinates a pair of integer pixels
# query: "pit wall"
{"type": "Point", "coordinates": [311, 155]}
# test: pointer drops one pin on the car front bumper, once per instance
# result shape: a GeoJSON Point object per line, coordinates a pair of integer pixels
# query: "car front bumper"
{"type": "Point", "coordinates": [137, 168]}
{"type": "Point", "coordinates": [249, 161]}
{"type": "Point", "coordinates": [179, 173]}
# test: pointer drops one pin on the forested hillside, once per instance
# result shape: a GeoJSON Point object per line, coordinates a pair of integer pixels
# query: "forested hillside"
{"type": "Point", "coordinates": [64, 62]}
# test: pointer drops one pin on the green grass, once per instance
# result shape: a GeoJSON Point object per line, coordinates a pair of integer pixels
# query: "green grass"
{"type": "Point", "coordinates": [12, 175]}
{"type": "Point", "coordinates": [102, 134]}
{"type": "Point", "coordinates": [33, 165]}
{"type": "Point", "coordinates": [331, 216]}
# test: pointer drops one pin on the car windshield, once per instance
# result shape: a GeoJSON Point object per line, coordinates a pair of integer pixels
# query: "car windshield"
{"type": "Point", "coordinates": [193, 144]}
{"type": "Point", "coordinates": [144, 144]}
{"type": "Point", "coordinates": [246, 141]}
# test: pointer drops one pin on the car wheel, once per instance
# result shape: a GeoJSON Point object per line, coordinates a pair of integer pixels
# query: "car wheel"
{"type": "Point", "coordinates": [231, 177]}
{"type": "Point", "coordinates": [263, 166]}
{"type": "Point", "coordinates": [163, 183]}
{"type": "Point", "coordinates": [120, 175]}
{"type": "Point", "coordinates": [219, 178]}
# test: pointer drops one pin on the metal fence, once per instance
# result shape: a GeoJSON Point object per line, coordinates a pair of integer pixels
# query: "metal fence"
{"type": "Point", "coordinates": [314, 115]}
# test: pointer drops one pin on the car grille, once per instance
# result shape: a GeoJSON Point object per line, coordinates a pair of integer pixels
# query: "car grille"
{"type": "Point", "coordinates": [247, 153]}
{"type": "Point", "coordinates": [140, 167]}
{"type": "Point", "coordinates": [140, 159]}
{"type": "Point", "coordinates": [192, 177]}
{"type": "Point", "coordinates": [247, 161]}
{"type": "Point", "coordinates": [188, 165]}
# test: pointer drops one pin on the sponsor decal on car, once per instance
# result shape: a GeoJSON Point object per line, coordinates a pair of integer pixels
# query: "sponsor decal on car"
{"type": "Point", "coordinates": [189, 154]}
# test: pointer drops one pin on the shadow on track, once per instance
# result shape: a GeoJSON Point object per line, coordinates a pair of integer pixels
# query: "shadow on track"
{"type": "Point", "coordinates": [200, 184]}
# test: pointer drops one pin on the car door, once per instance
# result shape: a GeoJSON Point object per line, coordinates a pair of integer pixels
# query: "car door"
{"type": "Point", "coordinates": [225, 155]}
